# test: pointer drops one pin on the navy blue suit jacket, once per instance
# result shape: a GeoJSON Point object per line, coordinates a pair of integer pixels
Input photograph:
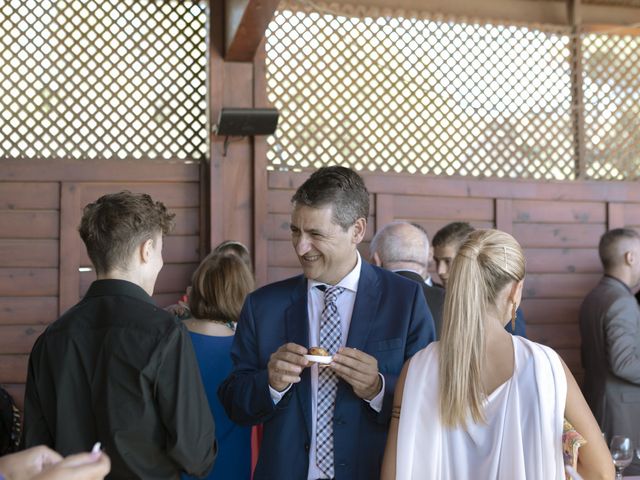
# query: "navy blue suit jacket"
{"type": "Point", "coordinates": [390, 321]}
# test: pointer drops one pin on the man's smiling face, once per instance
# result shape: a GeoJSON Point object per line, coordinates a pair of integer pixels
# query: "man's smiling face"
{"type": "Point", "coordinates": [326, 251]}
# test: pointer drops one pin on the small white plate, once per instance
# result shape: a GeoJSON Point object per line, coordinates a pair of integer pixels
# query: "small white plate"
{"type": "Point", "coordinates": [319, 358]}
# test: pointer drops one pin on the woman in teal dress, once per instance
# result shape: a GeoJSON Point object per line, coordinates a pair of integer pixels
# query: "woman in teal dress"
{"type": "Point", "coordinates": [218, 289]}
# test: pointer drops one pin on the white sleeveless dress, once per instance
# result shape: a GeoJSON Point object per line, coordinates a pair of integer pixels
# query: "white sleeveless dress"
{"type": "Point", "coordinates": [522, 437]}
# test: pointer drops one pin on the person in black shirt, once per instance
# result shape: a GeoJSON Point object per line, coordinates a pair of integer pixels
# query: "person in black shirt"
{"type": "Point", "coordinates": [115, 368]}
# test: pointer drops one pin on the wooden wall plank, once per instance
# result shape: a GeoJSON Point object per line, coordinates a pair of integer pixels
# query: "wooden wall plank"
{"type": "Point", "coordinates": [37, 282]}
{"type": "Point", "coordinates": [556, 336]}
{"type": "Point", "coordinates": [385, 211]}
{"type": "Point", "coordinates": [551, 310]}
{"type": "Point", "coordinates": [187, 221]}
{"type": "Point", "coordinates": [553, 235]}
{"type": "Point", "coordinates": [28, 310]}
{"type": "Point", "coordinates": [17, 170]}
{"type": "Point", "coordinates": [504, 214]}
{"type": "Point", "coordinates": [281, 253]}
{"type": "Point", "coordinates": [543, 211]}
{"type": "Point", "coordinates": [71, 247]}
{"type": "Point", "coordinates": [558, 260]}
{"type": "Point", "coordinates": [28, 253]}
{"type": "Point", "coordinates": [277, 227]}
{"type": "Point", "coordinates": [389, 182]}
{"type": "Point", "coordinates": [450, 209]}
{"type": "Point", "coordinates": [13, 368]}
{"type": "Point", "coordinates": [631, 214]}
{"type": "Point", "coordinates": [173, 195]}
{"type": "Point", "coordinates": [175, 277]}
{"type": "Point", "coordinates": [25, 195]}
{"type": "Point", "coordinates": [260, 165]}
{"type": "Point", "coordinates": [615, 216]}
{"type": "Point", "coordinates": [29, 224]}
{"type": "Point", "coordinates": [181, 249]}
{"type": "Point", "coordinates": [559, 285]}
{"type": "Point", "coordinates": [279, 201]}
{"type": "Point", "coordinates": [18, 338]}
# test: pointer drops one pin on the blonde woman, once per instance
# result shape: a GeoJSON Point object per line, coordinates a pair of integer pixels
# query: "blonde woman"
{"type": "Point", "coordinates": [481, 403]}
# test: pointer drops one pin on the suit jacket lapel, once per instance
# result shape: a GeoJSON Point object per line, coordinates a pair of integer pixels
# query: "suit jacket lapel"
{"type": "Point", "coordinates": [365, 307]}
{"type": "Point", "coordinates": [297, 328]}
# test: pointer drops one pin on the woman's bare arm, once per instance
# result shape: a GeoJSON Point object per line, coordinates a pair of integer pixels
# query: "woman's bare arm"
{"type": "Point", "coordinates": [594, 460]}
{"type": "Point", "coordinates": [389, 461]}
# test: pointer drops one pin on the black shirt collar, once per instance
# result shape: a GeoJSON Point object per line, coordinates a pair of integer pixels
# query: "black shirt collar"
{"type": "Point", "coordinates": [118, 287]}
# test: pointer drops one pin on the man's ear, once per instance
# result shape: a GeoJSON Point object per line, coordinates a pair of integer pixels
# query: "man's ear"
{"type": "Point", "coordinates": [375, 258]}
{"type": "Point", "coordinates": [145, 250]}
{"type": "Point", "coordinates": [359, 228]}
{"type": "Point", "coordinates": [629, 257]}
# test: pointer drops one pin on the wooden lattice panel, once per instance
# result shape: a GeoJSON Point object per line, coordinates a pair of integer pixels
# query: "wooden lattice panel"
{"type": "Point", "coordinates": [412, 93]}
{"type": "Point", "coordinates": [103, 79]}
{"type": "Point", "coordinates": [611, 79]}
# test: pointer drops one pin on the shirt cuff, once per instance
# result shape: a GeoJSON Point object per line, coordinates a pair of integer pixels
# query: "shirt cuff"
{"type": "Point", "coordinates": [276, 396]}
{"type": "Point", "coordinates": [376, 402]}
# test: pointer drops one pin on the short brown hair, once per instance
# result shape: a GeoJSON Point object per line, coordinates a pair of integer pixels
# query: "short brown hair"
{"type": "Point", "coordinates": [219, 286]}
{"type": "Point", "coordinates": [113, 226]}
{"type": "Point", "coordinates": [236, 248]}
{"type": "Point", "coordinates": [452, 234]}
{"type": "Point", "coordinates": [339, 187]}
{"type": "Point", "coordinates": [611, 246]}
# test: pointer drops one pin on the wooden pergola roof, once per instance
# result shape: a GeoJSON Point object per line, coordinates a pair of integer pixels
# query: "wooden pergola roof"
{"type": "Point", "coordinates": [245, 21]}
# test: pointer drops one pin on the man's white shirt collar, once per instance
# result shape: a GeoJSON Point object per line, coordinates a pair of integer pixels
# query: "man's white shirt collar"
{"type": "Point", "coordinates": [348, 282]}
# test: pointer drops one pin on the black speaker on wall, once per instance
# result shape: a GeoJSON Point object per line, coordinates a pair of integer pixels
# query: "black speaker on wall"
{"type": "Point", "coordinates": [247, 121]}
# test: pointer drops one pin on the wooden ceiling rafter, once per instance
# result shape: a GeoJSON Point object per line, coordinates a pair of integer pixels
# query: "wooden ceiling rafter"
{"type": "Point", "coordinates": [246, 22]}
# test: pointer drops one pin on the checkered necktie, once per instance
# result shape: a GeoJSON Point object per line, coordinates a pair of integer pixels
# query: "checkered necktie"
{"type": "Point", "coordinates": [330, 333]}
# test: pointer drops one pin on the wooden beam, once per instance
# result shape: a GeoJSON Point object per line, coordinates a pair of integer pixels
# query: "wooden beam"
{"type": "Point", "coordinates": [245, 24]}
{"type": "Point", "coordinates": [517, 11]}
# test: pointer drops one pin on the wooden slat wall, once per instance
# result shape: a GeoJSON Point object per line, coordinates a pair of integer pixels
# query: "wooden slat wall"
{"type": "Point", "coordinates": [41, 251]}
{"type": "Point", "coordinates": [558, 224]}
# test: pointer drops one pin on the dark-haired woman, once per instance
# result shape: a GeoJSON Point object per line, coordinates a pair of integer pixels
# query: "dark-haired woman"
{"type": "Point", "coordinates": [218, 289]}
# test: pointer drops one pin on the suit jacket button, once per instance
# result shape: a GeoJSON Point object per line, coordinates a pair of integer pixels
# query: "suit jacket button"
{"type": "Point", "coordinates": [306, 447]}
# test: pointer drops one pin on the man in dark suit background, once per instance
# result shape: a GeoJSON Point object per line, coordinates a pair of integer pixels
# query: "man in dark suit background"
{"type": "Point", "coordinates": [330, 422]}
{"type": "Point", "coordinates": [610, 329]}
{"type": "Point", "coordinates": [403, 248]}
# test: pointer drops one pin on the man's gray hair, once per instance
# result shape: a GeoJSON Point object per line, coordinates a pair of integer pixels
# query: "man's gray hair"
{"type": "Point", "coordinates": [401, 241]}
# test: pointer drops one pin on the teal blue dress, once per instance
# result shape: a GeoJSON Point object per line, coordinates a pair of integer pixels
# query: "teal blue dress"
{"type": "Point", "coordinates": [234, 442]}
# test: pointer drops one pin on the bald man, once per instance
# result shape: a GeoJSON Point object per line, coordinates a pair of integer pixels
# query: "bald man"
{"type": "Point", "coordinates": [610, 329]}
{"type": "Point", "coordinates": [403, 248]}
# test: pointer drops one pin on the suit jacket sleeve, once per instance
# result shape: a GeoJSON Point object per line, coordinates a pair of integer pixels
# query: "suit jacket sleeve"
{"type": "Point", "coordinates": [183, 405]}
{"type": "Point", "coordinates": [244, 394]}
{"type": "Point", "coordinates": [421, 332]}
{"type": "Point", "coordinates": [623, 321]}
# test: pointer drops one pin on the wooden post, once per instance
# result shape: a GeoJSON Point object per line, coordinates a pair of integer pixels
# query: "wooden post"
{"type": "Point", "coordinates": [577, 103]}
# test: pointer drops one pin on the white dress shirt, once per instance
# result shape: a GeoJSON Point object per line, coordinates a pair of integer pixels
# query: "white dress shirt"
{"type": "Point", "coordinates": [315, 305]}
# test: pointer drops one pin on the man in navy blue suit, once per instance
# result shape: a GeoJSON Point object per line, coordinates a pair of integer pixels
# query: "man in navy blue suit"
{"type": "Point", "coordinates": [331, 421]}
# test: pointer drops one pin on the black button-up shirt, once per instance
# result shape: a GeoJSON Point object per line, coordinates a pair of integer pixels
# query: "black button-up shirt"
{"type": "Point", "coordinates": [116, 368]}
